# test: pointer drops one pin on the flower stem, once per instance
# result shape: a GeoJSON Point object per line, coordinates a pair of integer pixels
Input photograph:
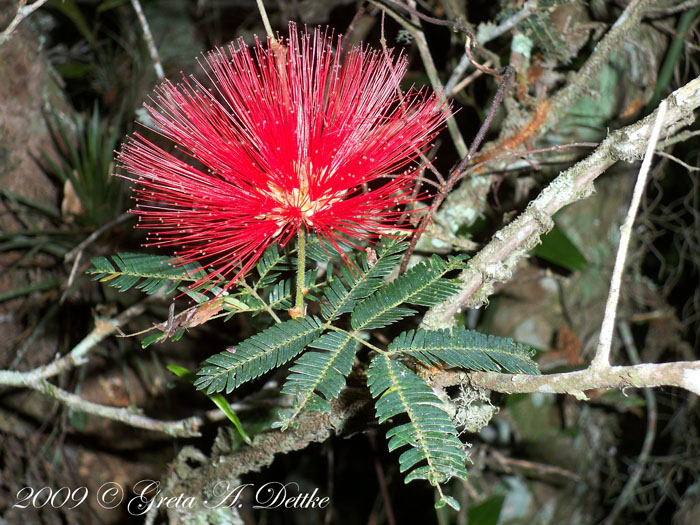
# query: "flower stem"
{"type": "Point", "coordinates": [299, 309]}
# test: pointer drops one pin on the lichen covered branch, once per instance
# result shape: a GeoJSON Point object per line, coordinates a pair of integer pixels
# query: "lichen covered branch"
{"type": "Point", "coordinates": [682, 374]}
{"type": "Point", "coordinates": [497, 260]}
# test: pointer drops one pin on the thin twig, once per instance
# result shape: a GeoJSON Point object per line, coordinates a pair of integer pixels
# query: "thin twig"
{"type": "Point", "coordinates": [544, 470]}
{"type": "Point", "coordinates": [385, 51]}
{"type": "Point", "coordinates": [666, 11]}
{"type": "Point", "coordinates": [76, 253]}
{"type": "Point", "coordinates": [452, 91]}
{"type": "Point", "coordinates": [506, 74]}
{"type": "Point", "coordinates": [23, 11]}
{"type": "Point", "coordinates": [678, 161]}
{"type": "Point", "coordinates": [427, 163]}
{"type": "Point", "coordinates": [71, 277]}
{"type": "Point", "coordinates": [487, 32]}
{"type": "Point", "coordinates": [95, 235]}
{"type": "Point", "coordinates": [602, 355]}
{"type": "Point", "coordinates": [266, 22]}
{"type": "Point", "coordinates": [415, 15]}
{"type": "Point", "coordinates": [381, 480]}
{"type": "Point", "coordinates": [652, 416]}
{"type": "Point", "coordinates": [456, 74]}
{"type": "Point", "coordinates": [420, 179]}
{"type": "Point", "coordinates": [431, 70]}
{"type": "Point", "coordinates": [681, 137]}
{"type": "Point", "coordinates": [351, 28]}
{"type": "Point", "coordinates": [148, 37]}
{"type": "Point", "coordinates": [266, 306]}
{"type": "Point", "coordinates": [78, 355]}
{"type": "Point", "coordinates": [512, 154]}
{"type": "Point", "coordinates": [182, 428]}
{"type": "Point", "coordinates": [681, 374]}
{"type": "Point", "coordinates": [463, 244]}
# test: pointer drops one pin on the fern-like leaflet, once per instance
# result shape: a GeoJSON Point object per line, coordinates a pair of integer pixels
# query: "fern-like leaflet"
{"type": "Point", "coordinates": [464, 348]}
{"type": "Point", "coordinates": [256, 355]}
{"type": "Point", "coordinates": [421, 285]}
{"type": "Point", "coordinates": [322, 372]}
{"type": "Point", "coordinates": [281, 294]}
{"type": "Point", "coordinates": [342, 295]}
{"type": "Point", "coordinates": [146, 272]}
{"type": "Point", "coordinates": [271, 263]}
{"type": "Point", "coordinates": [436, 453]}
{"type": "Point", "coordinates": [318, 375]}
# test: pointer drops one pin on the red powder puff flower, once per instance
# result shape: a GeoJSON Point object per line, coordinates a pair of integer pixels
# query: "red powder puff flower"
{"type": "Point", "coordinates": [290, 137]}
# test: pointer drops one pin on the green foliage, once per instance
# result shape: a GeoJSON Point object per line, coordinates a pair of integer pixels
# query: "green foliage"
{"type": "Point", "coordinates": [85, 165]}
{"type": "Point", "coordinates": [218, 399]}
{"type": "Point", "coordinates": [540, 29]}
{"type": "Point", "coordinates": [404, 37]}
{"type": "Point", "coordinates": [557, 248]}
{"type": "Point", "coordinates": [282, 293]}
{"type": "Point", "coordinates": [673, 56]}
{"type": "Point", "coordinates": [147, 272]}
{"type": "Point", "coordinates": [487, 512]}
{"type": "Point", "coordinates": [324, 372]}
{"type": "Point", "coordinates": [256, 355]}
{"type": "Point", "coordinates": [70, 10]}
{"type": "Point", "coordinates": [464, 348]}
{"type": "Point", "coordinates": [421, 285]}
{"type": "Point", "coordinates": [435, 453]}
{"type": "Point", "coordinates": [321, 251]}
{"type": "Point", "coordinates": [271, 263]}
{"type": "Point", "coordinates": [318, 375]}
{"type": "Point", "coordinates": [357, 283]}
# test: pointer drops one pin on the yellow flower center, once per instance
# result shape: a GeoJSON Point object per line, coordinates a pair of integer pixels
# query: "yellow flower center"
{"type": "Point", "coordinates": [297, 198]}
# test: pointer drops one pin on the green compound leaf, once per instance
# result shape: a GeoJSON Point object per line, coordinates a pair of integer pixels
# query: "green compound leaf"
{"type": "Point", "coordinates": [271, 263]}
{"type": "Point", "coordinates": [322, 372]}
{"type": "Point", "coordinates": [464, 348]}
{"type": "Point", "coordinates": [147, 272]}
{"type": "Point", "coordinates": [321, 250]}
{"type": "Point", "coordinates": [256, 355]}
{"type": "Point", "coordinates": [422, 285]}
{"type": "Point", "coordinates": [342, 295]}
{"type": "Point", "coordinates": [435, 453]}
{"type": "Point", "coordinates": [282, 293]}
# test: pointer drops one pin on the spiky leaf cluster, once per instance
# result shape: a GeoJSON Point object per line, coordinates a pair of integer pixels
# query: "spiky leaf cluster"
{"type": "Point", "coordinates": [353, 301]}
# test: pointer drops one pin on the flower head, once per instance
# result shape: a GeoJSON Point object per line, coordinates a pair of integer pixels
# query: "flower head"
{"type": "Point", "coordinates": [290, 137]}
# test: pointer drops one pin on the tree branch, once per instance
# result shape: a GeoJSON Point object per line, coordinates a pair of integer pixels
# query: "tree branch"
{"type": "Point", "coordinates": [682, 374]}
{"type": "Point", "coordinates": [351, 412]}
{"type": "Point", "coordinates": [23, 11]}
{"type": "Point", "coordinates": [130, 416]}
{"type": "Point", "coordinates": [431, 70]}
{"type": "Point", "coordinates": [466, 202]}
{"type": "Point", "coordinates": [497, 260]}
{"type": "Point", "coordinates": [628, 491]}
{"type": "Point", "coordinates": [346, 414]}
{"type": "Point", "coordinates": [36, 379]}
{"type": "Point", "coordinates": [77, 356]}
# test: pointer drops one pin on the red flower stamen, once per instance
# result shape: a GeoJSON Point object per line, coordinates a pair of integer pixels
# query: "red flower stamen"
{"type": "Point", "coordinates": [291, 136]}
